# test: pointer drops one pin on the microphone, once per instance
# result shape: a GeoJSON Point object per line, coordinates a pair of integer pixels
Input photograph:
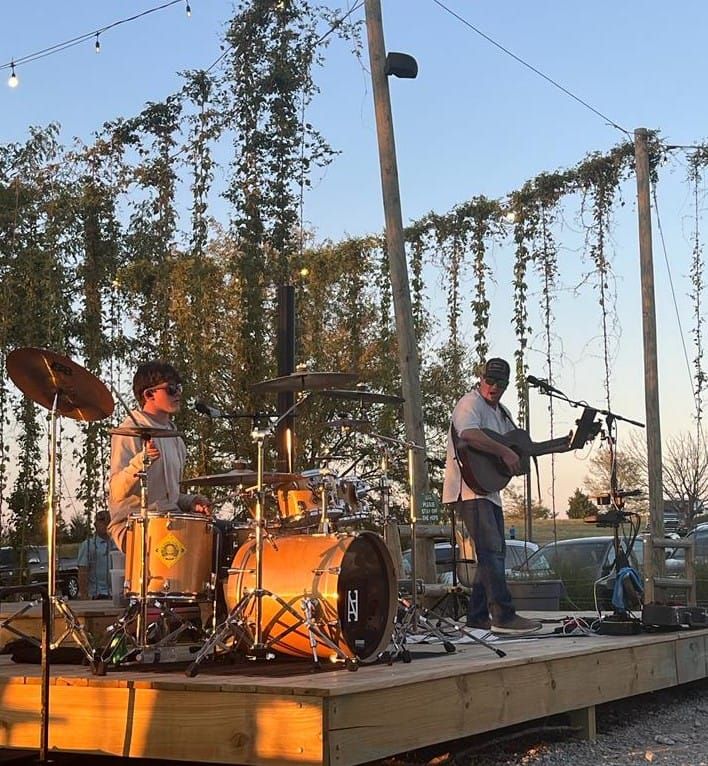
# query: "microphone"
{"type": "Point", "coordinates": [205, 409]}
{"type": "Point", "coordinates": [213, 412]}
{"type": "Point", "coordinates": [544, 385]}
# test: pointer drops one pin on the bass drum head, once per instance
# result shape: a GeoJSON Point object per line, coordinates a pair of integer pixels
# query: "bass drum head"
{"type": "Point", "coordinates": [367, 596]}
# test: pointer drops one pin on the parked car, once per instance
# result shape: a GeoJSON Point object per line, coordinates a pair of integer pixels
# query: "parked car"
{"type": "Point", "coordinates": [517, 552]}
{"type": "Point", "coordinates": [676, 561]}
{"type": "Point", "coordinates": [33, 568]}
{"type": "Point", "coordinates": [580, 563]}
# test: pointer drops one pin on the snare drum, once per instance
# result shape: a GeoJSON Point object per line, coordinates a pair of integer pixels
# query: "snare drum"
{"type": "Point", "coordinates": [351, 576]}
{"type": "Point", "coordinates": [178, 556]}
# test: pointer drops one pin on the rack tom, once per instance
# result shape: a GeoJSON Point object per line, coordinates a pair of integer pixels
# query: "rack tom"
{"type": "Point", "coordinates": [179, 555]}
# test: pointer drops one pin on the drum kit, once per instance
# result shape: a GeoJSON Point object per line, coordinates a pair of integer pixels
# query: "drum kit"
{"type": "Point", "coordinates": [310, 581]}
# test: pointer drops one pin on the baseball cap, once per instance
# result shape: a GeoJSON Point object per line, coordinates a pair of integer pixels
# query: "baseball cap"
{"type": "Point", "coordinates": [497, 368]}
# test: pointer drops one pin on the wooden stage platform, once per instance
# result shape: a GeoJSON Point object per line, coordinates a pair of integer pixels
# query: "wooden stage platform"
{"type": "Point", "coordinates": [282, 712]}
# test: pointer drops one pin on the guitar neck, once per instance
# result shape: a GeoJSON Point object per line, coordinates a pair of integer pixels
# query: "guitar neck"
{"type": "Point", "coordinates": [561, 444]}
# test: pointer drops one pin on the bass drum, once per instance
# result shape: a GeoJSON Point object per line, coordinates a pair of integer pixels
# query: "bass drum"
{"type": "Point", "coordinates": [351, 576]}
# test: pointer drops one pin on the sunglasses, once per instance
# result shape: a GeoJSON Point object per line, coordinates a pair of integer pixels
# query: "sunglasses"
{"type": "Point", "coordinates": [172, 389]}
{"type": "Point", "coordinates": [498, 382]}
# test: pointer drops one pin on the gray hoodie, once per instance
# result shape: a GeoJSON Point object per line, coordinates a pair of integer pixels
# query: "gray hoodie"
{"type": "Point", "coordinates": [163, 476]}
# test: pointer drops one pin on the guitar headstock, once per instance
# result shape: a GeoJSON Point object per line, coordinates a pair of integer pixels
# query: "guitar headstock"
{"type": "Point", "coordinates": [587, 429]}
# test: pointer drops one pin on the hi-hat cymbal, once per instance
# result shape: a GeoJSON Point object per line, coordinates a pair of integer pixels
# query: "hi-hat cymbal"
{"type": "Point", "coordinates": [305, 381]}
{"type": "Point", "coordinates": [239, 477]}
{"type": "Point", "coordinates": [145, 433]}
{"type": "Point", "coordinates": [44, 376]}
{"type": "Point", "coordinates": [352, 423]}
{"type": "Point", "coordinates": [363, 396]}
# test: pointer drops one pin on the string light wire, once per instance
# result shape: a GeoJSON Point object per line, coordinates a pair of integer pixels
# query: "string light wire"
{"type": "Point", "coordinates": [66, 44]}
{"type": "Point", "coordinates": [521, 61]}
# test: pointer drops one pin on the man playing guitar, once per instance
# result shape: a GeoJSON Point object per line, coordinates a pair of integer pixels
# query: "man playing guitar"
{"type": "Point", "coordinates": [482, 513]}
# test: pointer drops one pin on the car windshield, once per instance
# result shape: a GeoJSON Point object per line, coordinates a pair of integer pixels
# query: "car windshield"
{"type": "Point", "coordinates": [578, 556]}
{"type": "Point", "coordinates": [7, 557]}
{"type": "Point", "coordinates": [537, 563]}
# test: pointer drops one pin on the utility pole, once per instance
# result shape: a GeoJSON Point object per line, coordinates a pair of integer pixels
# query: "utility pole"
{"type": "Point", "coordinates": [407, 349]}
{"type": "Point", "coordinates": [651, 375]}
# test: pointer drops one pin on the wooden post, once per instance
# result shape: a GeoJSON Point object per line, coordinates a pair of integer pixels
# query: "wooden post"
{"type": "Point", "coordinates": [407, 349]}
{"type": "Point", "coordinates": [651, 375]}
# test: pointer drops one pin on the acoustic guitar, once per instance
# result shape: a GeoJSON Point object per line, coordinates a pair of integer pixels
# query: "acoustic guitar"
{"type": "Point", "coordinates": [485, 473]}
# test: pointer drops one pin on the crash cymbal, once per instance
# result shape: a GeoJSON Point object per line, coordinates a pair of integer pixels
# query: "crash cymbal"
{"type": "Point", "coordinates": [363, 396]}
{"type": "Point", "coordinates": [239, 477]}
{"type": "Point", "coordinates": [43, 376]}
{"type": "Point", "coordinates": [145, 433]}
{"type": "Point", "coordinates": [305, 381]}
{"type": "Point", "coordinates": [352, 423]}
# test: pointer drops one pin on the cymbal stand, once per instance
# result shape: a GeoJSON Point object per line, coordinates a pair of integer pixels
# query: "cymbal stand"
{"type": "Point", "coordinates": [73, 627]}
{"type": "Point", "coordinates": [385, 492]}
{"type": "Point", "coordinates": [126, 643]}
{"type": "Point", "coordinates": [239, 626]}
{"type": "Point", "coordinates": [411, 613]}
{"type": "Point", "coordinates": [325, 527]}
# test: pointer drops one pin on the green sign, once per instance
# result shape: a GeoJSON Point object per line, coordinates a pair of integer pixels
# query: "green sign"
{"type": "Point", "coordinates": [430, 509]}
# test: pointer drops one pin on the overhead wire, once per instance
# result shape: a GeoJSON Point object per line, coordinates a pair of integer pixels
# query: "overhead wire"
{"type": "Point", "coordinates": [673, 292]}
{"type": "Point", "coordinates": [534, 69]}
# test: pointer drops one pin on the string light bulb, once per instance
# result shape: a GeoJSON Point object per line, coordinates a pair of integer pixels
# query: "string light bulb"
{"type": "Point", "coordinates": [97, 44]}
{"type": "Point", "coordinates": [13, 81]}
{"type": "Point", "coordinates": [188, 8]}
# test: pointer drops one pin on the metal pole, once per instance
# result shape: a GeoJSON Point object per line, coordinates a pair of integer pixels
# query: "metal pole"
{"type": "Point", "coordinates": [528, 515]}
{"type": "Point", "coordinates": [651, 375]}
{"type": "Point", "coordinates": [407, 348]}
{"type": "Point", "coordinates": [284, 436]}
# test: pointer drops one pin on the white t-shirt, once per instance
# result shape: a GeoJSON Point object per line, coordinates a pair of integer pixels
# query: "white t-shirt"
{"type": "Point", "coordinates": [472, 411]}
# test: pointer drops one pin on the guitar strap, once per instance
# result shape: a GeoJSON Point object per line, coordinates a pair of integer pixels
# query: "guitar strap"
{"type": "Point", "coordinates": [468, 478]}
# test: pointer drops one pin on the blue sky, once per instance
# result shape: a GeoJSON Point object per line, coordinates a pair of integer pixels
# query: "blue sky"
{"type": "Point", "coordinates": [474, 122]}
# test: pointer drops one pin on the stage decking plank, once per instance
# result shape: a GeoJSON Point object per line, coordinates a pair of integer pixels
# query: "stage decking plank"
{"type": "Point", "coordinates": [147, 723]}
{"type": "Point", "coordinates": [371, 725]}
{"type": "Point", "coordinates": [280, 713]}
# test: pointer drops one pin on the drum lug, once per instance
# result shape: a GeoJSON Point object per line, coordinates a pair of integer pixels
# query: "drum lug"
{"type": "Point", "coordinates": [328, 570]}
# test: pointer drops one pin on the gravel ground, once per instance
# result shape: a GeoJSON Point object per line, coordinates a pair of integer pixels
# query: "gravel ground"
{"type": "Point", "coordinates": [667, 727]}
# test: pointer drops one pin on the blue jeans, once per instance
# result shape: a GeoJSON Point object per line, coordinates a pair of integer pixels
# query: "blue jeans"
{"type": "Point", "coordinates": [490, 594]}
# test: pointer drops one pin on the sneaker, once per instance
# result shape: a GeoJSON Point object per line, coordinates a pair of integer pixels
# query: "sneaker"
{"type": "Point", "coordinates": [480, 624]}
{"type": "Point", "coordinates": [517, 626]}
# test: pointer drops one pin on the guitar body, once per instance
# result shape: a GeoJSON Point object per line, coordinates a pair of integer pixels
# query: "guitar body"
{"type": "Point", "coordinates": [486, 473]}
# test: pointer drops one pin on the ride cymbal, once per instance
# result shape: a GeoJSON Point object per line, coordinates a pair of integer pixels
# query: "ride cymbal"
{"type": "Point", "coordinates": [363, 396]}
{"type": "Point", "coordinates": [44, 377]}
{"type": "Point", "coordinates": [145, 433]}
{"type": "Point", "coordinates": [305, 381]}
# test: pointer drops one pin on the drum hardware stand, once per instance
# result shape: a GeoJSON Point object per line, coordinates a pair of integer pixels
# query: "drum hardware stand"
{"type": "Point", "coordinates": [73, 627]}
{"type": "Point", "coordinates": [325, 526]}
{"type": "Point", "coordinates": [123, 645]}
{"type": "Point", "coordinates": [236, 624]}
{"type": "Point", "coordinates": [411, 614]}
